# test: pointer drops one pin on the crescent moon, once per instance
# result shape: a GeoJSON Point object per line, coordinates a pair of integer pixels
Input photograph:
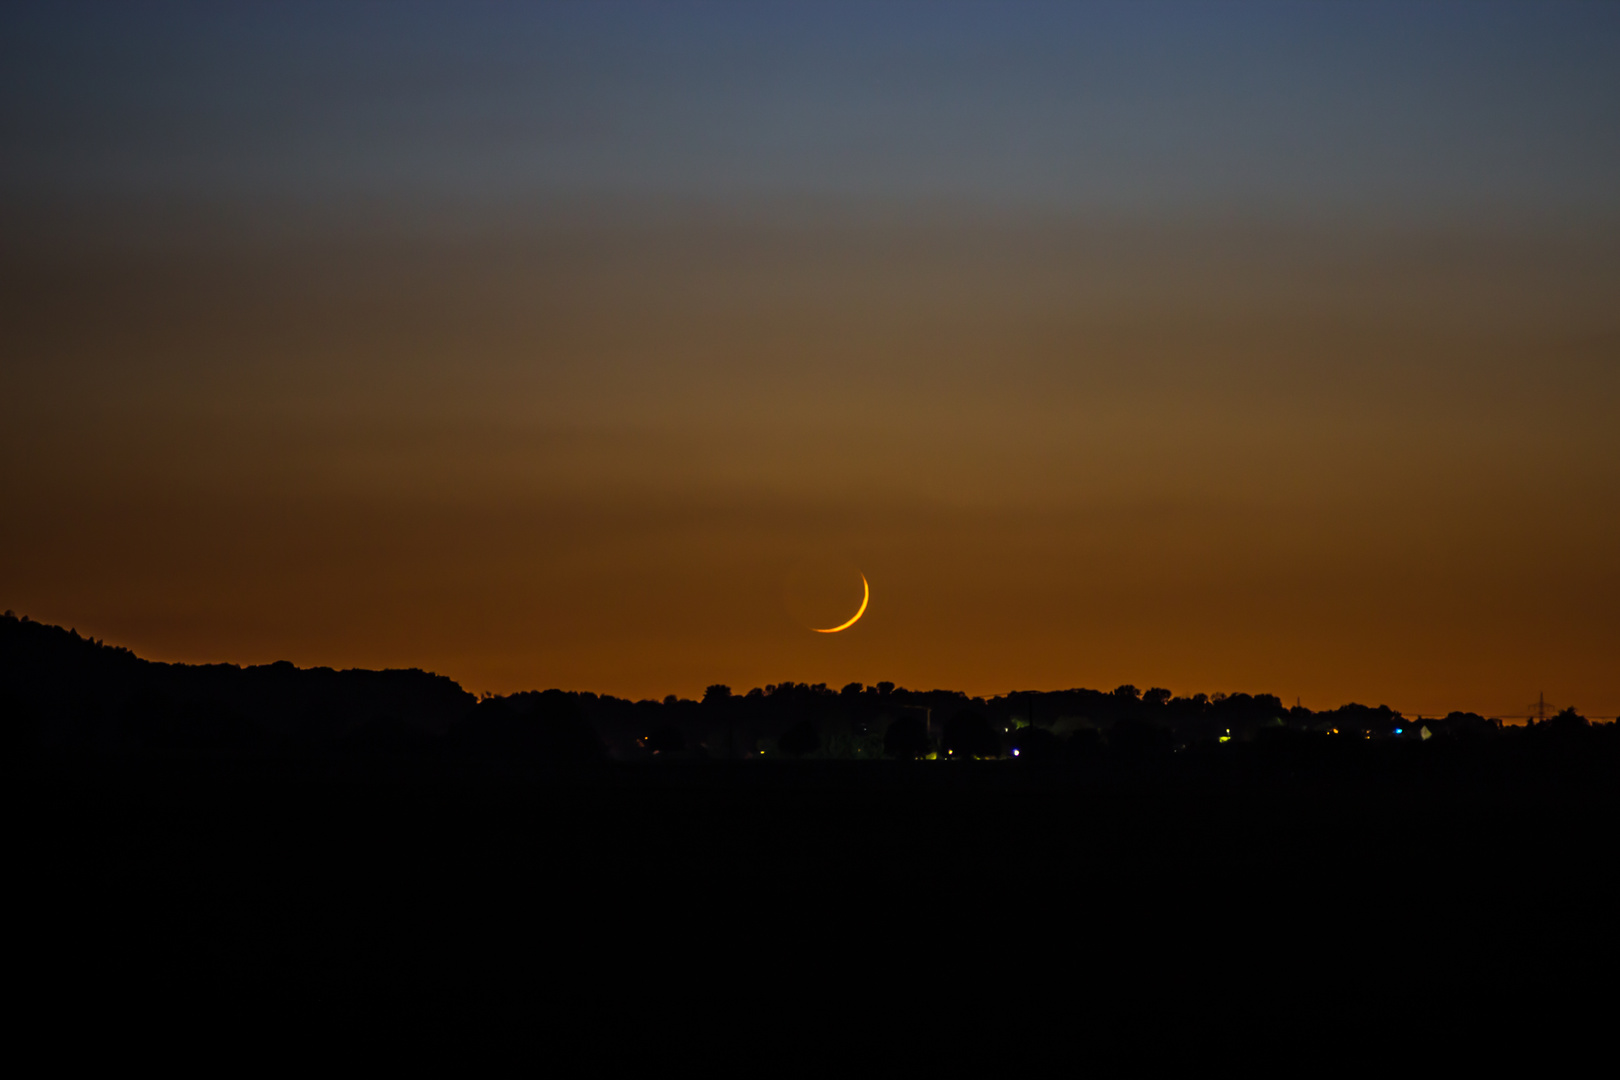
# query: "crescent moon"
{"type": "Point", "coordinates": [866, 594]}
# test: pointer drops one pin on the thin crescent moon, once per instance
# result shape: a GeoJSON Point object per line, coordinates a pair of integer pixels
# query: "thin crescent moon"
{"type": "Point", "coordinates": [866, 594]}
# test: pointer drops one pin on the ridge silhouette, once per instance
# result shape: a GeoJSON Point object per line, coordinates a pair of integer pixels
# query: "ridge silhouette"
{"type": "Point", "coordinates": [63, 693]}
{"type": "Point", "coordinates": [361, 840]}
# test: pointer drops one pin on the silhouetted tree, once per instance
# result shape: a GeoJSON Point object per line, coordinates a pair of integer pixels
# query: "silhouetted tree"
{"type": "Point", "coordinates": [906, 737]}
{"type": "Point", "coordinates": [1034, 744]}
{"type": "Point", "coordinates": [561, 732]}
{"type": "Point", "coordinates": [1135, 740]}
{"type": "Point", "coordinates": [1568, 720]}
{"type": "Point", "coordinates": [969, 734]}
{"type": "Point", "coordinates": [1466, 725]}
{"type": "Point", "coordinates": [666, 739]}
{"type": "Point", "coordinates": [530, 727]}
{"type": "Point", "coordinates": [800, 739]}
{"type": "Point", "coordinates": [387, 738]}
{"type": "Point", "coordinates": [1084, 744]}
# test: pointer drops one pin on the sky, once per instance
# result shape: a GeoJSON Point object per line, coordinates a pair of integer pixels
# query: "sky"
{"type": "Point", "coordinates": [1260, 347]}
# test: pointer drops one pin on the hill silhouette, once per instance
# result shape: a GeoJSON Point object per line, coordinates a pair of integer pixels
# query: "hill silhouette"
{"type": "Point", "coordinates": [355, 840]}
{"type": "Point", "coordinates": [66, 694]}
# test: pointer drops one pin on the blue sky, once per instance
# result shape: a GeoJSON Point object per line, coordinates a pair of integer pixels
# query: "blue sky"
{"type": "Point", "coordinates": [1401, 108]}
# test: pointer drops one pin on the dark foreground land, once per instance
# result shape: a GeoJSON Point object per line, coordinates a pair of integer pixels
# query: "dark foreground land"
{"type": "Point", "coordinates": [1281, 879]}
{"type": "Point", "coordinates": [1263, 890]}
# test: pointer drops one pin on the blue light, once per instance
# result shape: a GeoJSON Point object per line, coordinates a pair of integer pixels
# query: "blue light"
{"type": "Point", "coordinates": [1397, 731]}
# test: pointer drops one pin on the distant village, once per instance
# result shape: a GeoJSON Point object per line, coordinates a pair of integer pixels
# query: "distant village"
{"type": "Point", "coordinates": [63, 693]}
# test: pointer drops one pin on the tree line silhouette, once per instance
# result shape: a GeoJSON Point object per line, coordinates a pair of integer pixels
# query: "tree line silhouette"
{"type": "Point", "coordinates": [269, 829]}
{"type": "Point", "coordinates": [63, 693]}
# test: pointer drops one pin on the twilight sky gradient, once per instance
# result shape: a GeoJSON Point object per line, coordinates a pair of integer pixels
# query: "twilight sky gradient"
{"type": "Point", "coordinates": [1240, 346]}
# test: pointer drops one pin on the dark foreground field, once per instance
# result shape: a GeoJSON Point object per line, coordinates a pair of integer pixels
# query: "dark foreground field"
{"type": "Point", "coordinates": [273, 842]}
{"type": "Point", "coordinates": [694, 893]}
